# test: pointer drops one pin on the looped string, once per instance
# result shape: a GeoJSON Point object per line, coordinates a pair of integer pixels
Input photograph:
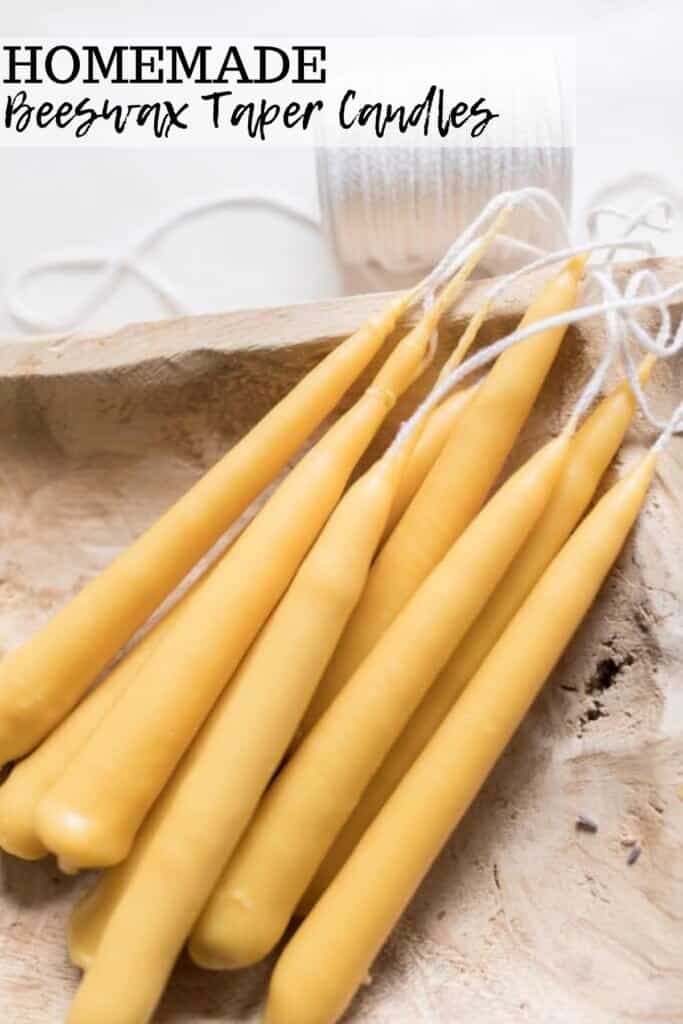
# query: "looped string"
{"type": "Point", "coordinates": [665, 343]}
{"type": "Point", "coordinates": [615, 339]}
{"type": "Point", "coordinates": [617, 325]}
{"type": "Point", "coordinates": [456, 266]}
{"type": "Point", "coordinates": [642, 290]}
{"type": "Point", "coordinates": [560, 255]}
{"type": "Point", "coordinates": [668, 198]}
{"type": "Point", "coordinates": [541, 203]}
{"type": "Point", "coordinates": [674, 426]}
{"type": "Point", "coordinates": [113, 267]}
{"type": "Point", "coordinates": [642, 219]}
{"type": "Point", "coordinates": [476, 238]}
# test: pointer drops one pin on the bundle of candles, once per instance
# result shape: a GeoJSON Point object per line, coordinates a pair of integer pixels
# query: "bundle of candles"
{"type": "Point", "coordinates": [296, 739]}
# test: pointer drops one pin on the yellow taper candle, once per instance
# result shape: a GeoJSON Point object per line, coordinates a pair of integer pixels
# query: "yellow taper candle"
{"type": "Point", "coordinates": [437, 429]}
{"type": "Point", "coordinates": [330, 955]}
{"type": "Point", "coordinates": [318, 788]}
{"type": "Point", "coordinates": [196, 824]}
{"type": "Point", "coordinates": [434, 431]}
{"type": "Point", "coordinates": [591, 452]}
{"type": "Point", "coordinates": [91, 815]}
{"type": "Point", "coordinates": [456, 486]}
{"type": "Point", "coordinates": [42, 680]}
{"type": "Point", "coordinates": [32, 777]}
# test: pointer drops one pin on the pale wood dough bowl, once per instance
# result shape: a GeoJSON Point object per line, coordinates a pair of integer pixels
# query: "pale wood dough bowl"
{"type": "Point", "coordinates": [522, 918]}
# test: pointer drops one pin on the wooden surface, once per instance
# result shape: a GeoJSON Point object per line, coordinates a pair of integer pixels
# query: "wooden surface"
{"type": "Point", "coordinates": [522, 919]}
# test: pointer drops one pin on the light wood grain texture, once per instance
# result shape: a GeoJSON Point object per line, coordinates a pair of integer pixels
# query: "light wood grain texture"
{"type": "Point", "coordinates": [522, 918]}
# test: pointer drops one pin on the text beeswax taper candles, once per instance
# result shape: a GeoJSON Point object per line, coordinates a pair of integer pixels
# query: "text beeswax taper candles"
{"type": "Point", "coordinates": [42, 680]}
{"type": "Point", "coordinates": [318, 788]}
{"type": "Point", "coordinates": [198, 820]}
{"type": "Point", "coordinates": [133, 753]}
{"type": "Point", "coordinates": [330, 955]}
{"type": "Point", "coordinates": [592, 450]}
{"type": "Point", "coordinates": [456, 486]}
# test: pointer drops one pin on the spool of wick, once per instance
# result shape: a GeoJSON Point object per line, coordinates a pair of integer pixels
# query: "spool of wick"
{"type": "Point", "coordinates": [390, 211]}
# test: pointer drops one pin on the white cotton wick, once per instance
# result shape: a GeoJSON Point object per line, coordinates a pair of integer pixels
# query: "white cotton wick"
{"type": "Point", "coordinates": [664, 338]}
{"type": "Point", "coordinates": [540, 203]}
{"type": "Point", "coordinates": [666, 343]}
{"type": "Point", "coordinates": [632, 222]}
{"type": "Point", "coordinates": [112, 266]}
{"type": "Point", "coordinates": [599, 375]}
{"type": "Point", "coordinates": [642, 290]}
{"type": "Point", "coordinates": [674, 426]}
{"type": "Point", "coordinates": [486, 355]}
{"type": "Point", "coordinates": [615, 338]}
{"type": "Point", "coordinates": [112, 269]}
{"type": "Point", "coordinates": [560, 255]}
{"type": "Point", "coordinates": [668, 198]}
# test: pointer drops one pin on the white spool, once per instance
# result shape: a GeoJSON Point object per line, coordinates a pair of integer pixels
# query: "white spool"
{"type": "Point", "coordinates": [390, 211]}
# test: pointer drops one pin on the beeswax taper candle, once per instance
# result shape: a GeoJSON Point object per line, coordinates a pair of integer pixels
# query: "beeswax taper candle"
{"type": "Point", "coordinates": [455, 487]}
{"type": "Point", "coordinates": [318, 788]}
{"type": "Point", "coordinates": [592, 450]}
{"type": "Point", "coordinates": [433, 432]}
{"type": "Point", "coordinates": [330, 955]}
{"type": "Point", "coordinates": [437, 429]}
{"type": "Point", "coordinates": [32, 777]}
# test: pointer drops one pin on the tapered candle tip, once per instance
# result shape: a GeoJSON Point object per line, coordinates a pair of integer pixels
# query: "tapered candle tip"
{"type": "Point", "coordinates": [646, 367]}
{"type": "Point", "coordinates": [643, 471]}
{"type": "Point", "coordinates": [650, 461]}
{"type": "Point", "coordinates": [562, 441]}
{"type": "Point", "coordinates": [577, 264]}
